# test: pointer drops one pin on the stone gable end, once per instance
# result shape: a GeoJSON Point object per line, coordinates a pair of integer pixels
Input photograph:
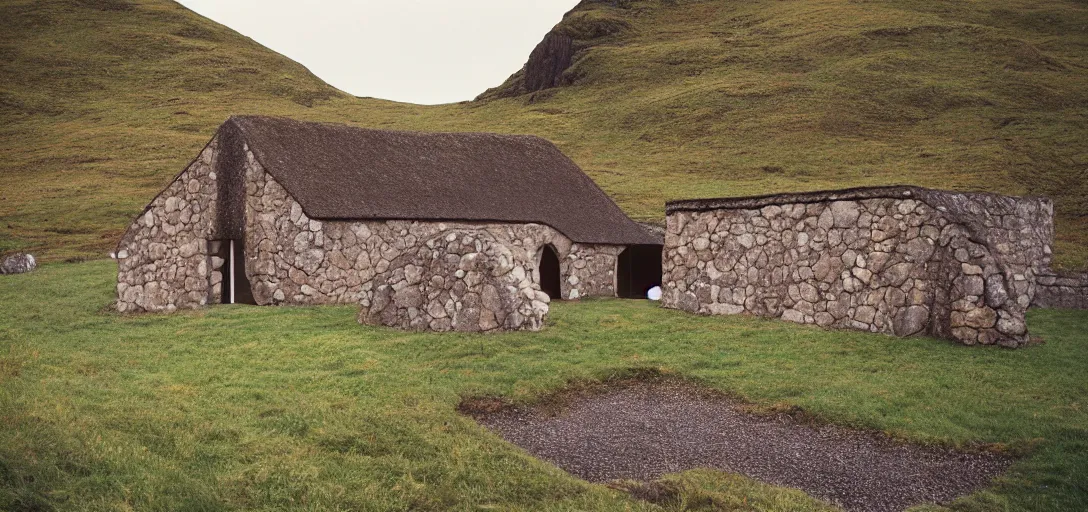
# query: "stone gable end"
{"type": "Point", "coordinates": [162, 257]}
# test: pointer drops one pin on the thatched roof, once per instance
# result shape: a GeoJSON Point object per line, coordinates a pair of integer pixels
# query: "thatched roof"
{"type": "Point", "coordinates": [338, 172]}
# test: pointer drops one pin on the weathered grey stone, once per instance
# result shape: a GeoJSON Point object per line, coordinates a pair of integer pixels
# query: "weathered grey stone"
{"type": "Point", "coordinates": [897, 274]}
{"type": "Point", "coordinates": [980, 318]}
{"type": "Point", "coordinates": [971, 270]}
{"type": "Point", "coordinates": [862, 274]}
{"type": "Point", "coordinates": [910, 320]}
{"type": "Point", "coordinates": [865, 314]}
{"type": "Point", "coordinates": [1010, 324]}
{"type": "Point", "coordinates": [920, 249]}
{"type": "Point", "coordinates": [997, 295]}
{"type": "Point", "coordinates": [849, 258]}
{"type": "Point", "coordinates": [973, 285]}
{"type": "Point", "coordinates": [725, 309]}
{"type": "Point", "coordinates": [18, 264]}
{"type": "Point", "coordinates": [826, 220]}
{"type": "Point", "coordinates": [846, 213]}
{"type": "Point", "coordinates": [809, 292]}
{"type": "Point", "coordinates": [792, 315]}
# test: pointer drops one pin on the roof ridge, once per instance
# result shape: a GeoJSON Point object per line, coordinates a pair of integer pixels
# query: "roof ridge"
{"type": "Point", "coordinates": [259, 117]}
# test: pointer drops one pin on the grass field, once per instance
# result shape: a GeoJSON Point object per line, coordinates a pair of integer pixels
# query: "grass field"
{"type": "Point", "coordinates": [102, 102]}
{"type": "Point", "coordinates": [301, 408]}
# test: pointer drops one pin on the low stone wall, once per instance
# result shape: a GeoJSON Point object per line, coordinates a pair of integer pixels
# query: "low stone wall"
{"type": "Point", "coordinates": [162, 259]}
{"type": "Point", "coordinates": [899, 260]}
{"type": "Point", "coordinates": [1054, 290]}
{"type": "Point", "coordinates": [462, 280]}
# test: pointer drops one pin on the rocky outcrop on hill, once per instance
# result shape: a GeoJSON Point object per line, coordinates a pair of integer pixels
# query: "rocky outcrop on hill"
{"type": "Point", "coordinates": [550, 63]}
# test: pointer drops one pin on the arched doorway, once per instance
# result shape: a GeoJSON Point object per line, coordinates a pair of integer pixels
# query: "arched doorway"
{"type": "Point", "coordinates": [637, 270]}
{"type": "Point", "coordinates": [549, 273]}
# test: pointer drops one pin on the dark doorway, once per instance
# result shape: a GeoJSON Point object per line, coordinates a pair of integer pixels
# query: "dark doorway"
{"type": "Point", "coordinates": [549, 273]}
{"type": "Point", "coordinates": [638, 270]}
{"type": "Point", "coordinates": [236, 288]}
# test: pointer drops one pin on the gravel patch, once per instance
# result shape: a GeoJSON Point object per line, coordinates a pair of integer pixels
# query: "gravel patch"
{"type": "Point", "coordinates": [643, 431]}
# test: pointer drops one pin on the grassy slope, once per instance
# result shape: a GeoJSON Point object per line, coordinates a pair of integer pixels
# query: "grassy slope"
{"type": "Point", "coordinates": [277, 408]}
{"type": "Point", "coordinates": [103, 101]}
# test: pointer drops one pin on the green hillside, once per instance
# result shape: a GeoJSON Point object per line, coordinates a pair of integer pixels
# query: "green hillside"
{"type": "Point", "coordinates": [102, 102]}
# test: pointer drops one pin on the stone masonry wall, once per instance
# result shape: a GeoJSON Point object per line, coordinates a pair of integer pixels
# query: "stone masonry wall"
{"type": "Point", "coordinates": [162, 258]}
{"type": "Point", "coordinates": [1055, 290]}
{"type": "Point", "coordinates": [898, 260]}
{"type": "Point", "coordinates": [462, 280]}
{"type": "Point", "coordinates": [292, 259]}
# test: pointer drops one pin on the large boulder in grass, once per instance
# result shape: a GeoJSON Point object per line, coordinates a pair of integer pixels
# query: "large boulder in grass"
{"type": "Point", "coordinates": [18, 264]}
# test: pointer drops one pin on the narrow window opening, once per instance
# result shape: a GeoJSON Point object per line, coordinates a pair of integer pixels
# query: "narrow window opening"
{"type": "Point", "coordinates": [234, 285]}
{"type": "Point", "coordinates": [241, 293]}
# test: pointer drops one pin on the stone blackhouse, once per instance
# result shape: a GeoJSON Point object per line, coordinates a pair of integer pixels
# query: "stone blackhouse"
{"type": "Point", "coordinates": [438, 231]}
{"type": "Point", "coordinates": [899, 260]}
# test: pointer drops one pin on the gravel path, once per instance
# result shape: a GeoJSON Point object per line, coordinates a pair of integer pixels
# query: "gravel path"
{"type": "Point", "coordinates": [644, 431]}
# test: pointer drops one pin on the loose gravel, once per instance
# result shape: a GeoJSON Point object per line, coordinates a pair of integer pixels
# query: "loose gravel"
{"type": "Point", "coordinates": [643, 431]}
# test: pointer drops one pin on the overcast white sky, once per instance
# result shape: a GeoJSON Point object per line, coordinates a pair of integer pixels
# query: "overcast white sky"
{"type": "Point", "coordinates": [417, 51]}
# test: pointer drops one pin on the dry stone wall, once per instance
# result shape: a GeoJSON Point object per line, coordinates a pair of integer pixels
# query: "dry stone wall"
{"type": "Point", "coordinates": [460, 279]}
{"type": "Point", "coordinates": [1054, 290]}
{"type": "Point", "coordinates": [162, 259]}
{"type": "Point", "coordinates": [898, 260]}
